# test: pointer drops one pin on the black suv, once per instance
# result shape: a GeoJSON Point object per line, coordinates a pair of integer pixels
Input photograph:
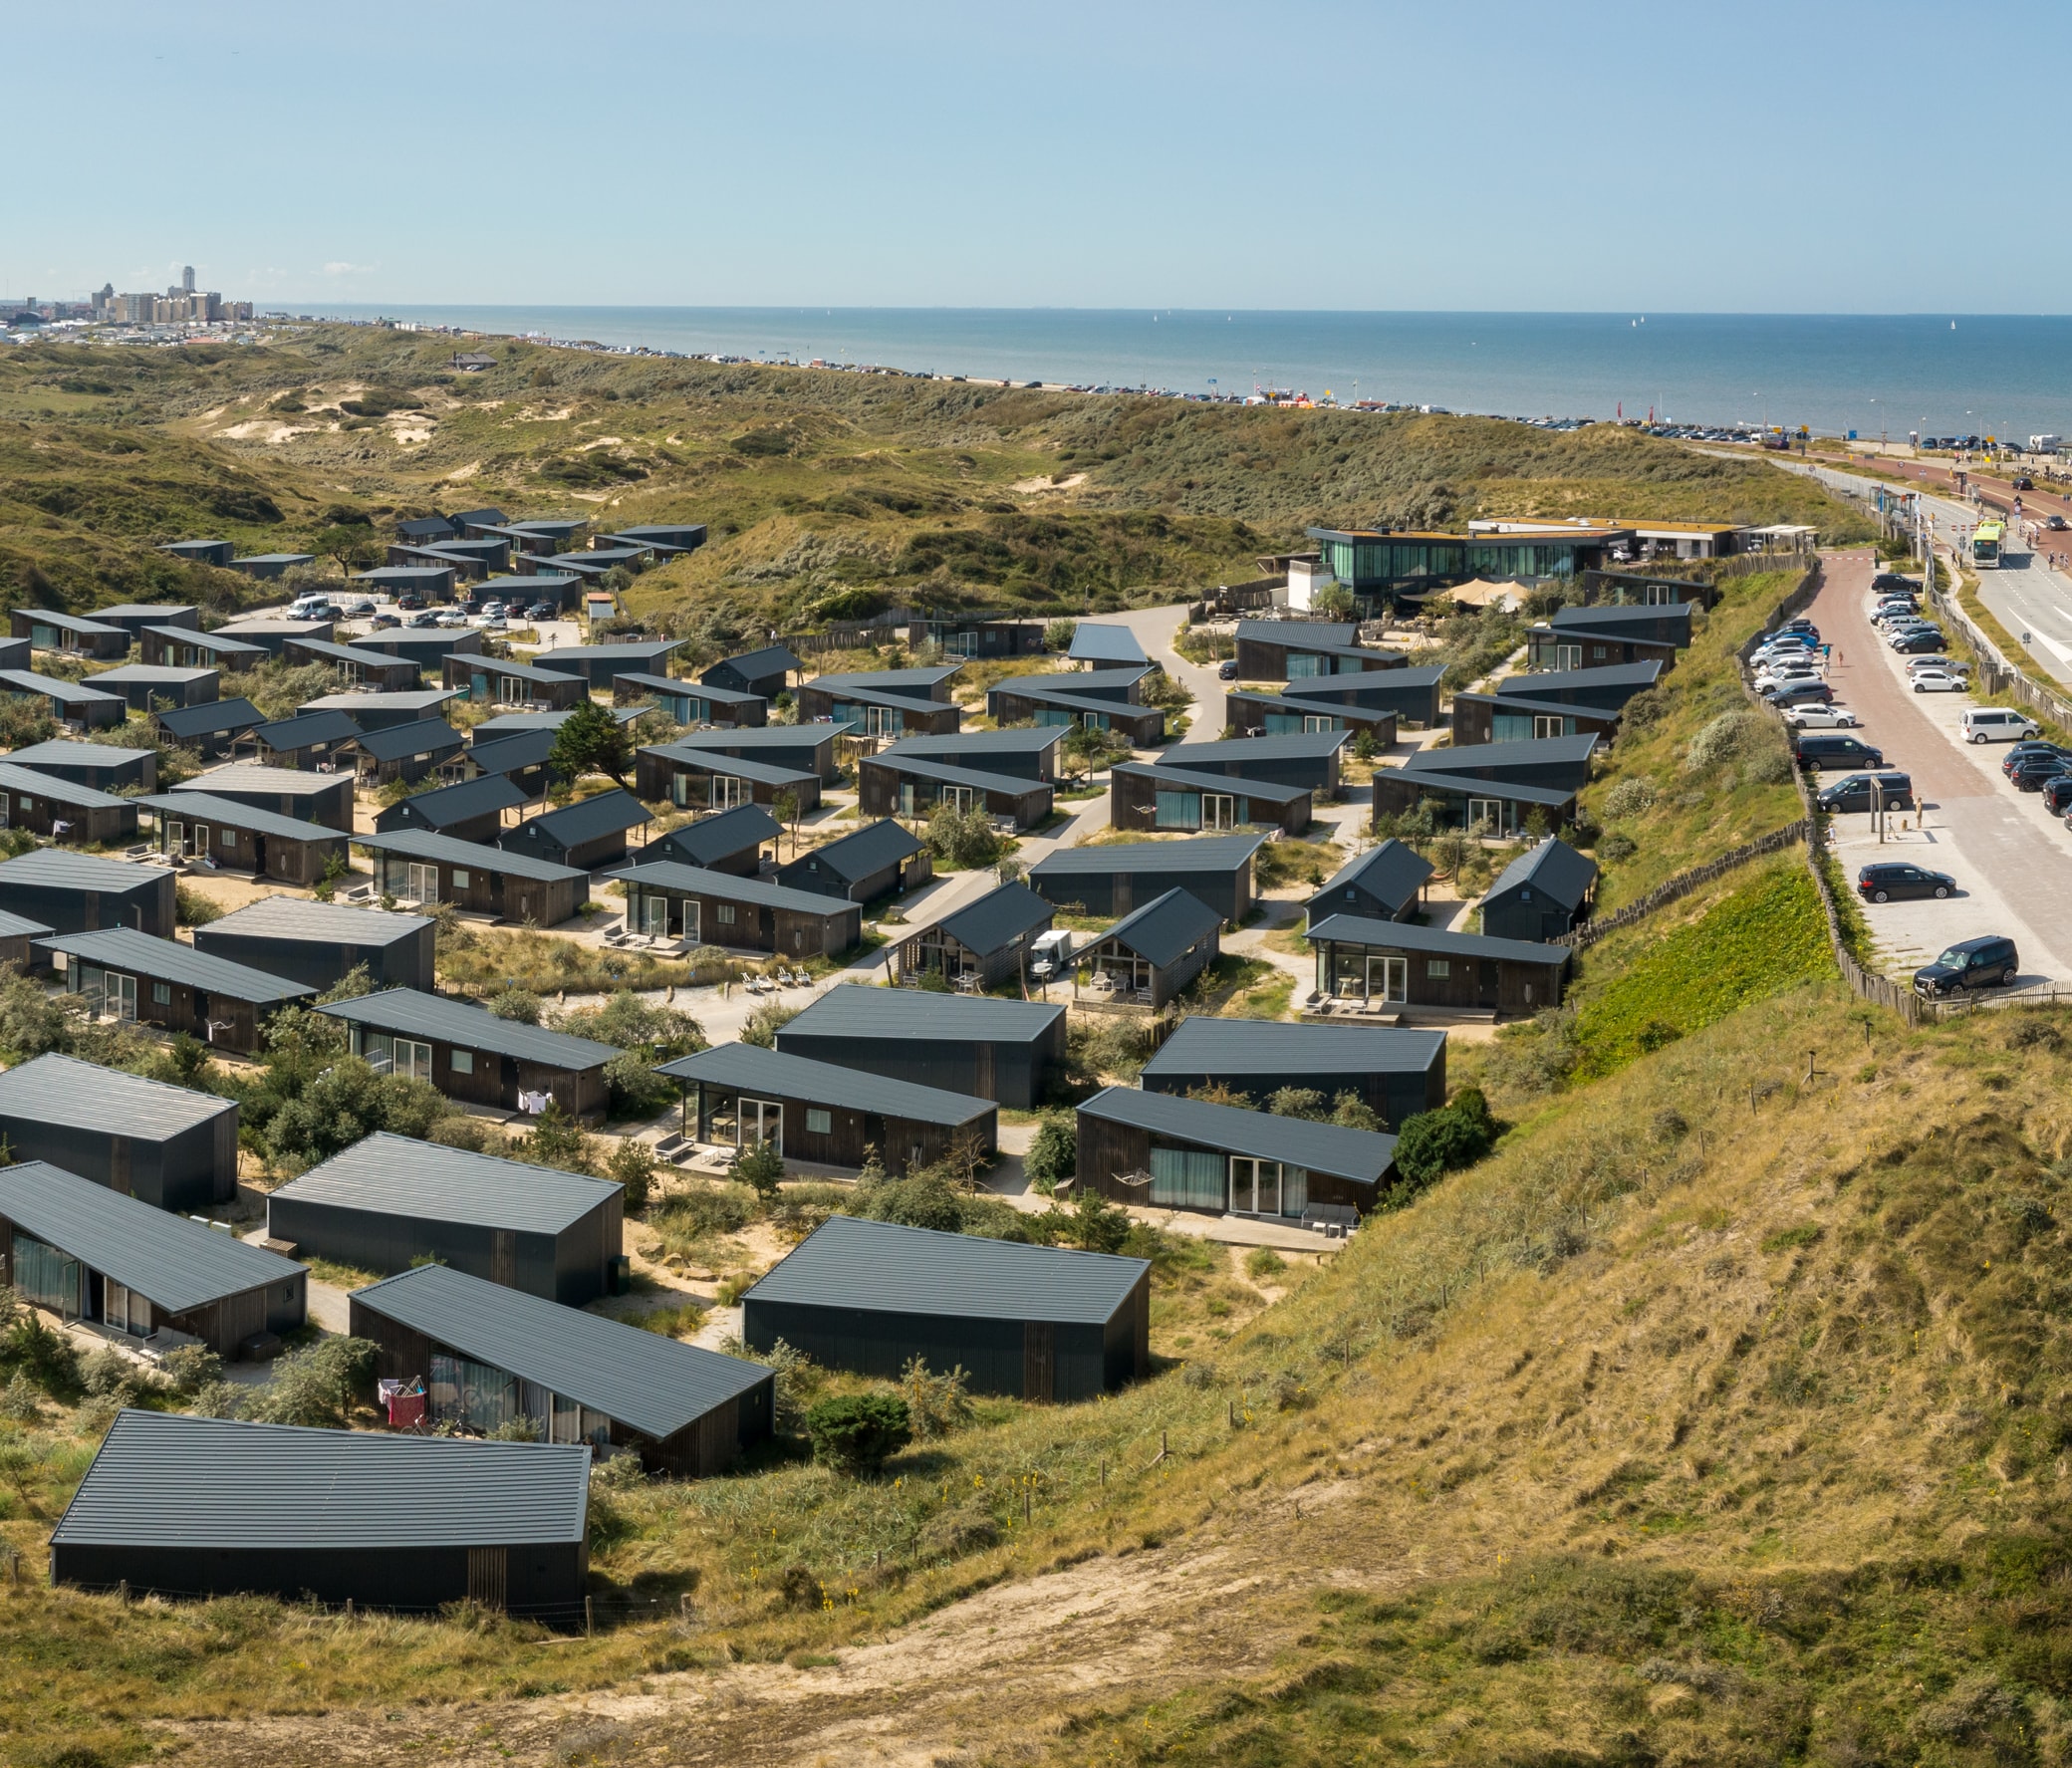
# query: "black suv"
{"type": "Point", "coordinates": [1985, 962]}
{"type": "Point", "coordinates": [1866, 792]}
{"type": "Point", "coordinates": [2019, 752]}
{"type": "Point", "coordinates": [1827, 748]}
{"type": "Point", "coordinates": [2057, 795]}
{"type": "Point", "coordinates": [2032, 771]}
{"type": "Point", "coordinates": [1883, 883]}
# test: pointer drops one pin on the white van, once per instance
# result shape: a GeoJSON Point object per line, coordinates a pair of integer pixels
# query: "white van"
{"type": "Point", "coordinates": [1999, 724]}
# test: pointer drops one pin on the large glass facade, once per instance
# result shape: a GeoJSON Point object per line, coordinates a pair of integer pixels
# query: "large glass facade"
{"type": "Point", "coordinates": [1513, 556]}
{"type": "Point", "coordinates": [1188, 1179]}
{"type": "Point", "coordinates": [1396, 561]}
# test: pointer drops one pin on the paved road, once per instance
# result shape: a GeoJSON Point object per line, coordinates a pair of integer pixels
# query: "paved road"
{"type": "Point", "coordinates": [2012, 863]}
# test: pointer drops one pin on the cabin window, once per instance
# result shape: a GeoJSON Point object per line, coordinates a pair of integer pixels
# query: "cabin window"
{"type": "Point", "coordinates": [463, 1062]}
{"type": "Point", "coordinates": [162, 994]}
{"type": "Point", "coordinates": [820, 1123]}
{"type": "Point", "coordinates": [1438, 966]}
{"type": "Point", "coordinates": [459, 879]}
{"type": "Point", "coordinates": [724, 914]}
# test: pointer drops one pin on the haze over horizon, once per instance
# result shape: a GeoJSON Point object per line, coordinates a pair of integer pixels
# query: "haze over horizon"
{"type": "Point", "coordinates": [1380, 157]}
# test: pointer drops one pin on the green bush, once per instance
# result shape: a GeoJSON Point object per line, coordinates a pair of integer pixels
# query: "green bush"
{"type": "Point", "coordinates": [760, 1168]}
{"type": "Point", "coordinates": [858, 1433]}
{"type": "Point", "coordinates": [1446, 1140]}
{"type": "Point", "coordinates": [705, 1209]}
{"type": "Point", "coordinates": [192, 909]}
{"type": "Point", "coordinates": [316, 1386]}
{"type": "Point", "coordinates": [765, 1022]}
{"type": "Point", "coordinates": [1298, 1102]}
{"type": "Point", "coordinates": [1054, 1154]}
{"type": "Point", "coordinates": [632, 1165]}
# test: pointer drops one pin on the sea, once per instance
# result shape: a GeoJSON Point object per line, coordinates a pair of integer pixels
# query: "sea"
{"type": "Point", "coordinates": [1880, 376]}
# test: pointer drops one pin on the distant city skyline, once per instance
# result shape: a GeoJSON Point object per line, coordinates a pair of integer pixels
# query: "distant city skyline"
{"type": "Point", "coordinates": [1336, 156]}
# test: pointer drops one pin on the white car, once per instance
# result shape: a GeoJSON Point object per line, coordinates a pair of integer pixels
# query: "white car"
{"type": "Point", "coordinates": [1822, 718]}
{"type": "Point", "coordinates": [1938, 681]}
{"type": "Point", "coordinates": [1769, 681]}
{"type": "Point", "coordinates": [1949, 665]}
{"type": "Point", "coordinates": [450, 617]}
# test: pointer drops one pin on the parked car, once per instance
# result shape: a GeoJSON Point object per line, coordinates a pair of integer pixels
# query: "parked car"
{"type": "Point", "coordinates": [450, 617]}
{"type": "Point", "coordinates": [409, 602]}
{"type": "Point", "coordinates": [540, 610]}
{"type": "Point", "coordinates": [360, 611]}
{"type": "Point", "coordinates": [424, 617]}
{"type": "Point", "coordinates": [1772, 679]}
{"type": "Point", "coordinates": [1817, 717]}
{"type": "Point", "coordinates": [1800, 693]}
{"type": "Point", "coordinates": [1985, 962]}
{"type": "Point", "coordinates": [489, 623]}
{"type": "Point", "coordinates": [1226, 670]}
{"type": "Point", "coordinates": [2022, 482]}
{"type": "Point", "coordinates": [381, 620]}
{"type": "Point", "coordinates": [1927, 639]}
{"type": "Point", "coordinates": [1889, 879]}
{"type": "Point", "coordinates": [1867, 792]}
{"type": "Point", "coordinates": [2029, 772]}
{"type": "Point", "coordinates": [2057, 795]}
{"type": "Point", "coordinates": [1949, 665]}
{"type": "Point", "coordinates": [2028, 747]}
{"type": "Point", "coordinates": [1937, 682]}
{"type": "Point", "coordinates": [1819, 749]}
{"type": "Point", "coordinates": [1998, 724]}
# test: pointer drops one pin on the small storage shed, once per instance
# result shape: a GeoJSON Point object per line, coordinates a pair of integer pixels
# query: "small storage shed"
{"type": "Point", "coordinates": [389, 1202]}
{"type": "Point", "coordinates": [587, 834]}
{"type": "Point", "coordinates": [342, 1516]}
{"type": "Point", "coordinates": [1037, 1323]}
{"type": "Point", "coordinates": [987, 941]}
{"type": "Point", "coordinates": [1112, 879]}
{"type": "Point", "coordinates": [100, 765]}
{"type": "Point", "coordinates": [147, 1275]}
{"type": "Point", "coordinates": [210, 727]}
{"type": "Point", "coordinates": [741, 913]}
{"type": "Point", "coordinates": [1609, 687]}
{"type": "Point", "coordinates": [1279, 714]}
{"type": "Point", "coordinates": [488, 1354]}
{"type": "Point", "coordinates": [286, 790]}
{"type": "Point", "coordinates": [500, 681]}
{"type": "Point", "coordinates": [876, 712]}
{"type": "Point", "coordinates": [902, 784]}
{"type": "Point", "coordinates": [123, 975]}
{"type": "Point", "coordinates": [471, 811]}
{"type": "Point", "coordinates": [763, 673]}
{"type": "Point", "coordinates": [1377, 965]}
{"type": "Point", "coordinates": [810, 748]}
{"type": "Point", "coordinates": [380, 711]}
{"type": "Point", "coordinates": [1396, 1072]}
{"type": "Point", "coordinates": [225, 832]}
{"type": "Point", "coordinates": [736, 1095]}
{"type": "Point", "coordinates": [1151, 953]}
{"type": "Point", "coordinates": [48, 629]}
{"type": "Point", "coordinates": [598, 665]}
{"type": "Point", "coordinates": [730, 842]}
{"type": "Point", "coordinates": [1152, 795]}
{"type": "Point", "coordinates": [1005, 1051]}
{"type": "Point", "coordinates": [355, 665]}
{"type": "Point", "coordinates": [321, 943]}
{"type": "Point", "coordinates": [133, 616]}
{"type": "Point", "coordinates": [1055, 700]}
{"type": "Point", "coordinates": [1024, 754]}
{"type": "Point", "coordinates": [169, 1146]}
{"type": "Point", "coordinates": [1175, 1153]}
{"type": "Point", "coordinates": [68, 702]}
{"type": "Point", "coordinates": [181, 647]}
{"type": "Point", "coordinates": [1099, 644]}
{"type": "Point", "coordinates": [1302, 758]}
{"type": "Point", "coordinates": [63, 810]}
{"type": "Point", "coordinates": [1510, 718]}
{"type": "Point", "coordinates": [868, 862]}
{"type": "Point", "coordinates": [77, 893]}
{"type": "Point", "coordinates": [407, 752]}
{"type": "Point", "coordinates": [1387, 883]}
{"type": "Point", "coordinates": [472, 1055]}
{"type": "Point", "coordinates": [705, 779]}
{"type": "Point", "coordinates": [311, 741]}
{"type": "Point", "coordinates": [689, 702]}
{"type": "Point", "coordinates": [150, 689]}
{"type": "Point", "coordinates": [1540, 895]}
{"type": "Point", "coordinates": [417, 867]}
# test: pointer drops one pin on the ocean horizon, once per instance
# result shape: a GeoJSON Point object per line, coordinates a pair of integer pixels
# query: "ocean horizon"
{"type": "Point", "coordinates": [1878, 375]}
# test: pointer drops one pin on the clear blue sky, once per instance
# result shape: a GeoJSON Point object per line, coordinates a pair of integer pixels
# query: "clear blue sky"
{"type": "Point", "coordinates": [1764, 155]}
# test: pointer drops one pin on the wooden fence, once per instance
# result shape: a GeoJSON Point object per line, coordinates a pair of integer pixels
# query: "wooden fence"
{"type": "Point", "coordinates": [1590, 931]}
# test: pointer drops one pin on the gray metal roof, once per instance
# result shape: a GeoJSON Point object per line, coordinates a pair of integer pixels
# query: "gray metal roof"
{"type": "Point", "coordinates": [207, 807]}
{"type": "Point", "coordinates": [1300, 631]}
{"type": "Point", "coordinates": [1472, 786]}
{"type": "Point", "coordinates": [920, 680]}
{"type": "Point", "coordinates": [1362, 1156]}
{"type": "Point", "coordinates": [755, 736]}
{"type": "Point", "coordinates": [993, 921]}
{"type": "Point", "coordinates": [1299, 744]}
{"type": "Point", "coordinates": [1203, 1046]}
{"type": "Point", "coordinates": [142, 609]}
{"type": "Point", "coordinates": [160, 1479]}
{"type": "Point", "coordinates": [58, 1089]}
{"type": "Point", "coordinates": [305, 728]}
{"type": "Point", "coordinates": [70, 694]}
{"type": "Point", "coordinates": [1358, 684]}
{"type": "Point", "coordinates": [754, 664]}
{"type": "Point", "coordinates": [148, 672]}
{"type": "Point", "coordinates": [16, 926]}
{"type": "Point", "coordinates": [713, 838]}
{"type": "Point", "coordinates": [1266, 791]}
{"type": "Point", "coordinates": [582, 656]}
{"type": "Point", "coordinates": [1201, 853]}
{"type": "Point", "coordinates": [512, 754]}
{"type": "Point", "coordinates": [395, 1175]}
{"type": "Point", "coordinates": [915, 1015]}
{"type": "Point", "coordinates": [420, 736]}
{"type": "Point", "coordinates": [76, 754]}
{"type": "Point", "coordinates": [605, 813]}
{"type": "Point", "coordinates": [879, 1267]}
{"type": "Point", "coordinates": [1553, 867]}
{"type": "Point", "coordinates": [1545, 681]}
{"type": "Point", "coordinates": [58, 869]}
{"type": "Point", "coordinates": [427, 844]}
{"type": "Point", "coordinates": [677, 684]}
{"type": "Point", "coordinates": [1518, 704]}
{"type": "Point", "coordinates": [69, 623]}
{"type": "Point", "coordinates": [340, 654]}
{"type": "Point", "coordinates": [35, 785]}
{"type": "Point", "coordinates": [1164, 929]}
{"type": "Point", "coordinates": [905, 762]}
{"type": "Point", "coordinates": [1617, 617]}
{"type": "Point", "coordinates": [1393, 872]}
{"type": "Point", "coordinates": [140, 955]}
{"type": "Point", "coordinates": [826, 1083]}
{"type": "Point", "coordinates": [979, 742]}
{"type": "Point", "coordinates": [1038, 689]}
{"type": "Point", "coordinates": [858, 693]}
{"type": "Point", "coordinates": [510, 723]}
{"type": "Point", "coordinates": [328, 924]}
{"type": "Point", "coordinates": [711, 761]}
{"type": "Point", "coordinates": [1527, 752]}
{"type": "Point", "coordinates": [669, 874]}
{"type": "Point", "coordinates": [654, 1383]}
{"type": "Point", "coordinates": [207, 719]}
{"type": "Point", "coordinates": [175, 1263]}
{"type": "Point", "coordinates": [472, 1028]}
{"type": "Point", "coordinates": [443, 806]}
{"type": "Point", "coordinates": [498, 666]}
{"type": "Point", "coordinates": [862, 850]}
{"type": "Point", "coordinates": [1092, 641]}
{"type": "Point", "coordinates": [225, 644]}
{"type": "Point", "coordinates": [252, 776]}
{"type": "Point", "coordinates": [1396, 935]}
{"type": "Point", "coordinates": [422, 700]}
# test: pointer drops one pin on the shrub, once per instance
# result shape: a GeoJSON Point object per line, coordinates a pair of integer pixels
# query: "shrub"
{"type": "Point", "coordinates": [935, 1404]}
{"type": "Point", "coordinates": [557, 1139]}
{"type": "Point", "coordinates": [1054, 1154]}
{"type": "Point", "coordinates": [765, 1022]}
{"type": "Point", "coordinates": [190, 1367]}
{"type": "Point", "coordinates": [1298, 1102]}
{"type": "Point", "coordinates": [760, 1168]}
{"type": "Point", "coordinates": [632, 1165]}
{"type": "Point", "coordinates": [108, 1373]}
{"type": "Point", "coordinates": [705, 1209]}
{"type": "Point", "coordinates": [1350, 1111]}
{"type": "Point", "coordinates": [962, 837]}
{"type": "Point", "coordinates": [192, 909]}
{"type": "Point", "coordinates": [1631, 798]}
{"type": "Point", "coordinates": [1263, 1262]}
{"type": "Point", "coordinates": [517, 1004]}
{"type": "Point", "coordinates": [315, 1386]}
{"type": "Point", "coordinates": [858, 1433]}
{"type": "Point", "coordinates": [1723, 738]}
{"type": "Point", "coordinates": [1615, 847]}
{"type": "Point", "coordinates": [920, 1200]}
{"type": "Point", "coordinates": [1446, 1140]}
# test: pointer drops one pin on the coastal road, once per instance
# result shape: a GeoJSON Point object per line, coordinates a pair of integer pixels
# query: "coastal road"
{"type": "Point", "coordinates": [2012, 862]}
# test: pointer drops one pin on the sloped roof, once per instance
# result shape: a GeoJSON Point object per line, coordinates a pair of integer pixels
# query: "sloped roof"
{"type": "Point", "coordinates": [28, 780]}
{"type": "Point", "coordinates": [771, 660]}
{"type": "Point", "coordinates": [1201, 853]}
{"type": "Point", "coordinates": [993, 921]}
{"type": "Point", "coordinates": [1203, 1046]}
{"type": "Point", "coordinates": [857, 1010]}
{"type": "Point", "coordinates": [127, 949]}
{"type": "Point", "coordinates": [1391, 872]}
{"type": "Point", "coordinates": [40, 755]}
{"type": "Point", "coordinates": [713, 838]}
{"type": "Point", "coordinates": [513, 755]}
{"type": "Point", "coordinates": [1362, 1156]}
{"type": "Point", "coordinates": [1312, 632]}
{"type": "Point", "coordinates": [669, 874]}
{"type": "Point", "coordinates": [1554, 868]}
{"type": "Point", "coordinates": [206, 806]}
{"type": "Point", "coordinates": [303, 729]}
{"type": "Point", "coordinates": [1235, 785]}
{"type": "Point", "coordinates": [1397, 936]}
{"type": "Point", "coordinates": [225, 643]}
{"type": "Point", "coordinates": [976, 742]}
{"type": "Point", "coordinates": [420, 735]}
{"type": "Point", "coordinates": [1164, 929]}
{"type": "Point", "coordinates": [677, 684]}
{"type": "Point", "coordinates": [863, 851]}
{"type": "Point", "coordinates": [605, 813]}
{"type": "Point", "coordinates": [922, 769]}
{"type": "Point", "coordinates": [1536, 682]}
{"type": "Point", "coordinates": [428, 844]}
{"type": "Point", "coordinates": [55, 1089]}
{"type": "Point", "coordinates": [1296, 744]}
{"type": "Point", "coordinates": [445, 805]}
{"type": "Point", "coordinates": [472, 1028]}
{"type": "Point", "coordinates": [70, 694]}
{"type": "Point", "coordinates": [252, 776]}
{"type": "Point", "coordinates": [397, 1175]}
{"type": "Point", "coordinates": [1530, 751]}
{"type": "Point", "coordinates": [826, 1083]}
{"type": "Point", "coordinates": [1095, 642]}
{"type": "Point", "coordinates": [303, 917]}
{"type": "Point", "coordinates": [715, 761]}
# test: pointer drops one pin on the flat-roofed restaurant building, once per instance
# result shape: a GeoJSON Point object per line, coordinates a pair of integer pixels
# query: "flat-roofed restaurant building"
{"type": "Point", "coordinates": [489, 1355]}
{"type": "Point", "coordinates": [1396, 1072]}
{"type": "Point", "coordinates": [321, 943]}
{"type": "Point", "coordinates": [123, 975]}
{"type": "Point", "coordinates": [420, 867]}
{"type": "Point", "coordinates": [1175, 1153]}
{"type": "Point", "coordinates": [1382, 565]}
{"type": "Point", "coordinates": [77, 893]}
{"type": "Point", "coordinates": [243, 837]}
{"type": "Point", "coordinates": [1005, 1051]}
{"type": "Point", "coordinates": [742, 913]}
{"type": "Point", "coordinates": [472, 1055]}
{"type": "Point", "coordinates": [411, 1523]}
{"type": "Point", "coordinates": [1037, 1323]}
{"type": "Point", "coordinates": [737, 1095]}
{"type": "Point", "coordinates": [150, 1275]}
{"type": "Point", "coordinates": [169, 1146]}
{"type": "Point", "coordinates": [388, 1202]}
